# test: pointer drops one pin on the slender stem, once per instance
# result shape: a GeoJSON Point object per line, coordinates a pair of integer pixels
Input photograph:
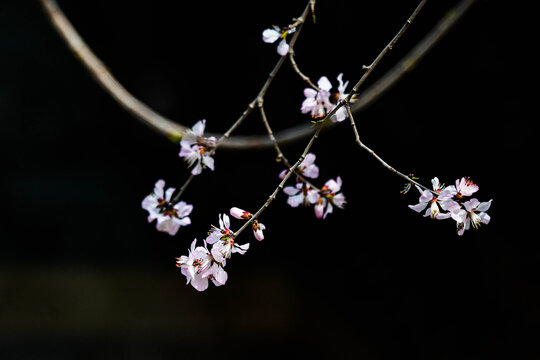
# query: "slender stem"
{"type": "Point", "coordinates": [182, 189]}
{"type": "Point", "coordinates": [387, 48]}
{"type": "Point", "coordinates": [282, 183]}
{"type": "Point", "coordinates": [280, 155]}
{"type": "Point", "coordinates": [260, 96]}
{"type": "Point", "coordinates": [377, 157]}
{"type": "Point", "coordinates": [301, 74]}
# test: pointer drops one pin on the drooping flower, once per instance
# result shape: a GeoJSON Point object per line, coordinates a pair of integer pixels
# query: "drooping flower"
{"type": "Point", "coordinates": [474, 213]}
{"type": "Point", "coordinates": [223, 242]}
{"type": "Point", "coordinates": [199, 266]}
{"type": "Point", "coordinates": [442, 197]}
{"type": "Point", "coordinates": [258, 230]}
{"type": "Point", "coordinates": [197, 149]}
{"type": "Point", "coordinates": [306, 168]}
{"type": "Point", "coordinates": [246, 215]}
{"type": "Point", "coordinates": [169, 216]}
{"type": "Point", "coordinates": [330, 196]}
{"type": "Point", "coordinates": [301, 193]}
{"type": "Point", "coordinates": [275, 33]}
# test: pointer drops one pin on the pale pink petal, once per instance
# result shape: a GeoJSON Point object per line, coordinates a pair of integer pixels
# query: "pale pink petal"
{"type": "Point", "coordinates": [199, 283]}
{"type": "Point", "coordinates": [270, 35]}
{"type": "Point", "coordinates": [209, 162]}
{"type": "Point", "coordinates": [198, 128]}
{"type": "Point", "coordinates": [418, 207]}
{"type": "Point", "coordinates": [158, 188]}
{"type": "Point", "coordinates": [291, 190]}
{"type": "Point", "coordinates": [283, 48]}
{"type": "Point", "coordinates": [484, 206]}
{"type": "Point", "coordinates": [324, 83]}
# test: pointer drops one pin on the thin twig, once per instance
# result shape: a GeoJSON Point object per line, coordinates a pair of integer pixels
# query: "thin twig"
{"type": "Point", "coordinates": [280, 155]}
{"type": "Point", "coordinates": [301, 74]}
{"type": "Point", "coordinates": [372, 153]}
{"type": "Point", "coordinates": [282, 183]}
{"type": "Point", "coordinates": [260, 96]}
{"type": "Point", "coordinates": [182, 189]}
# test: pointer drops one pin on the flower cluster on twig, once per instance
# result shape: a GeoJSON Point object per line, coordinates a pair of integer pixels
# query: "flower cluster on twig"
{"type": "Point", "coordinates": [207, 262]}
{"type": "Point", "coordinates": [452, 200]}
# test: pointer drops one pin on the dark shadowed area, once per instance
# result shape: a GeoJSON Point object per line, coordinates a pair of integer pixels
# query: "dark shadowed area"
{"type": "Point", "coordinates": [84, 276]}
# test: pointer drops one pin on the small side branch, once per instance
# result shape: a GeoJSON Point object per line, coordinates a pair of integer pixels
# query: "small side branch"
{"type": "Point", "coordinates": [377, 157]}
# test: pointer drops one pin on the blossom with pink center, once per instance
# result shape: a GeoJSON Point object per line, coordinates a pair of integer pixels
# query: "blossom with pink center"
{"type": "Point", "coordinates": [199, 266]}
{"type": "Point", "coordinates": [306, 168]}
{"type": "Point", "coordinates": [301, 193]}
{"type": "Point", "coordinates": [169, 217]}
{"type": "Point", "coordinates": [223, 242]}
{"type": "Point", "coordinates": [330, 196]}
{"type": "Point", "coordinates": [197, 149]}
{"type": "Point", "coordinates": [317, 103]}
{"type": "Point", "coordinates": [465, 187]}
{"type": "Point", "coordinates": [321, 102]}
{"type": "Point", "coordinates": [442, 197]}
{"type": "Point", "coordinates": [275, 33]}
{"type": "Point", "coordinates": [474, 213]}
{"type": "Point", "coordinates": [246, 215]}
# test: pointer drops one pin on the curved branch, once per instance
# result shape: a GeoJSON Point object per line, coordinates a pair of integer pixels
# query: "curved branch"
{"type": "Point", "coordinates": [171, 129]}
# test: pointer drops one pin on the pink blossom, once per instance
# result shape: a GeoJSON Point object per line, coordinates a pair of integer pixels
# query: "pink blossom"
{"type": "Point", "coordinates": [474, 213]}
{"type": "Point", "coordinates": [196, 149]}
{"type": "Point", "coordinates": [442, 197]}
{"type": "Point", "coordinates": [318, 102]}
{"type": "Point", "coordinates": [465, 187]}
{"type": "Point", "coordinates": [306, 168]}
{"type": "Point", "coordinates": [321, 102]}
{"type": "Point", "coordinates": [199, 266]}
{"type": "Point", "coordinates": [223, 242]}
{"type": "Point", "coordinates": [301, 193]}
{"type": "Point", "coordinates": [330, 196]}
{"type": "Point", "coordinates": [169, 217]}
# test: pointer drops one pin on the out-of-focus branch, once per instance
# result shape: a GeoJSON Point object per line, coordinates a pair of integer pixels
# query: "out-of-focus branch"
{"type": "Point", "coordinates": [104, 77]}
{"type": "Point", "coordinates": [171, 129]}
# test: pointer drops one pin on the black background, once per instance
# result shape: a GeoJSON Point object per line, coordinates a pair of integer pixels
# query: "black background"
{"type": "Point", "coordinates": [83, 275]}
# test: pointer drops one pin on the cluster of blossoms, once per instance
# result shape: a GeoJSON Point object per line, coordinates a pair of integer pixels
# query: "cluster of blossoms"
{"type": "Point", "coordinates": [275, 33]}
{"type": "Point", "coordinates": [169, 216]}
{"type": "Point", "coordinates": [321, 102]}
{"type": "Point", "coordinates": [304, 193]}
{"type": "Point", "coordinates": [203, 264]}
{"type": "Point", "coordinates": [207, 262]}
{"type": "Point", "coordinates": [451, 200]}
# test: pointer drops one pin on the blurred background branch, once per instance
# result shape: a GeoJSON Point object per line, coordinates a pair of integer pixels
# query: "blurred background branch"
{"type": "Point", "coordinates": [174, 130]}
